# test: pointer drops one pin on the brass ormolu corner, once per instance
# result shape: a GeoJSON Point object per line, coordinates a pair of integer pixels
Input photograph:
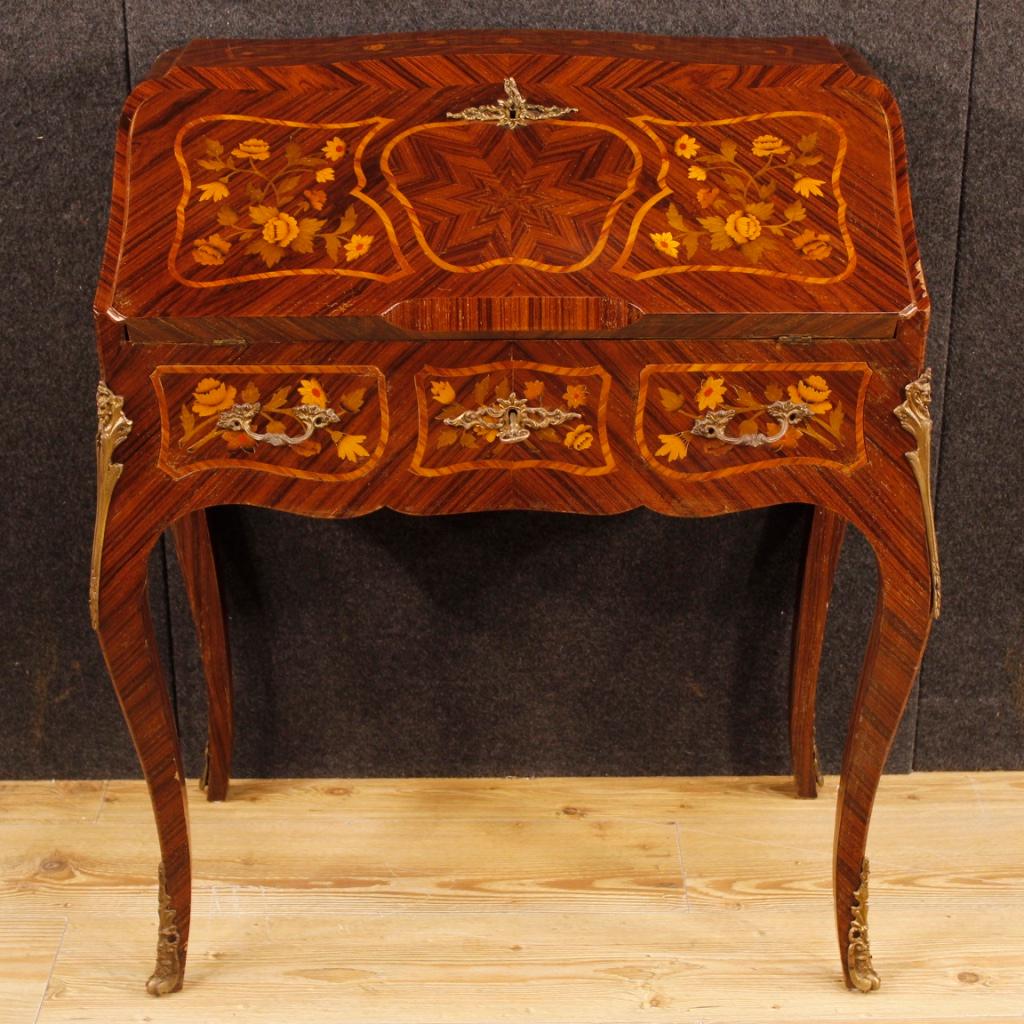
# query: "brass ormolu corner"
{"type": "Point", "coordinates": [858, 949]}
{"type": "Point", "coordinates": [111, 429]}
{"type": "Point", "coordinates": [167, 975]}
{"type": "Point", "coordinates": [915, 418]}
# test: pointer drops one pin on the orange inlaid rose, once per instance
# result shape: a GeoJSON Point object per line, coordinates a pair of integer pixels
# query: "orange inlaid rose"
{"type": "Point", "coordinates": [742, 227]}
{"type": "Point", "coordinates": [575, 395]}
{"type": "Point", "coordinates": [311, 393]}
{"type": "Point", "coordinates": [252, 149]}
{"type": "Point", "coordinates": [580, 438]}
{"type": "Point", "coordinates": [711, 393]}
{"type": "Point", "coordinates": [281, 229]}
{"type": "Point", "coordinates": [317, 197]}
{"type": "Point", "coordinates": [335, 148]}
{"type": "Point", "coordinates": [210, 251]}
{"type": "Point", "coordinates": [813, 392]}
{"type": "Point", "coordinates": [706, 196]}
{"type": "Point", "coordinates": [813, 245]}
{"type": "Point", "coordinates": [765, 145]}
{"type": "Point", "coordinates": [356, 246]}
{"type": "Point", "coordinates": [212, 396]}
{"type": "Point", "coordinates": [533, 389]}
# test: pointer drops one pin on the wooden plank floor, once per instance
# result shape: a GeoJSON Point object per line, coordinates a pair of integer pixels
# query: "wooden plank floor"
{"type": "Point", "coordinates": [547, 901]}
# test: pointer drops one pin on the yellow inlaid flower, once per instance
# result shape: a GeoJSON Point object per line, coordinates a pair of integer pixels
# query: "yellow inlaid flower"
{"type": "Point", "coordinates": [280, 229]}
{"type": "Point", "coordinates": [252, 149]}
{"type": "Point", "coordinates": [215, 190]}
{"type": "Point", "coordinates": [442, 391]}
{"type": "Point", "coordinates": [697, 173]}
{"type": "Point", "coordinates": [317, 197]}
{"type": "Point", "coordinates": [765, 145]}
{"type": "Point", "coordinates": [356, 246]}
{"type": "Point", "coordinates": [580, 438]}
{"type": "Point", "coordinates": [742, 227]}
{"type": "Point", "coordinates": [575, 395]}
{"type": "Point", "coordinates": [335, 149]}
{"type": "Point", "coordinates": [664, 242]}
{"type": "Point", "coordinates": [325, 174]}
{"type": "Point", "coordinates": [808, 187]}
{"type": "Point", "coordinates": [212, 396]}
{"type": "Point", "coordinates": [813, 392]}
{"type": "Point", "coordinates": [350, 447]}
{"type": "Point", "coordinates": [673, 447]}
{"type": "Point", "coordinates": [711, 393]}
{"type": "Point", "coordinates": [311, 393]}
{"type": "Point", "coordinates": [210, 251]}
{"type": "Point", "coordinates": [813, 245]}
{"type": "Point", "coordinates": [687, 146]}
{"type": "Point", "coordinates": [533, 389]}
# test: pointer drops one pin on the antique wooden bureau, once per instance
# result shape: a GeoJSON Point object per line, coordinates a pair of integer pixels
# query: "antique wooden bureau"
{"type": "Point", "coordinates": [455, 272]}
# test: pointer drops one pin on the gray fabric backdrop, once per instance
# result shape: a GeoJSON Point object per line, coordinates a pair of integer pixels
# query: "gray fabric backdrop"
{"type": "Point", "coordinates": [620, 645]}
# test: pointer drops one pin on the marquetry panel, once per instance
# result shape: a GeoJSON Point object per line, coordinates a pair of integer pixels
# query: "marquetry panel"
{"type": "Point", "coordinates": [675, 397]}
{"type": "Point", "coordinates": [264, 197]}
{"type": "Point", "coordinates": [192, 400]}
{"type": "Point", "coordinates": [757, 194]}
{"type": "Point", "coordinates": [578, 445]}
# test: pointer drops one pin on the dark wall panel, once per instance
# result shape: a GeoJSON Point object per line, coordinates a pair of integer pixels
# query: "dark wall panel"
{"type": "Point", "coordinates": [972, 691]}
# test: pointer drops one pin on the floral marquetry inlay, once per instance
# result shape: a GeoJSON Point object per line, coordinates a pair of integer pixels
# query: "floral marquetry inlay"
{"type": "Point", "coordinates": [312, 422]}
{"type": "Point", "coordinates": [756, 194]}
{"type": "Point", "coordinates": [265, 198]}
{"type": "Point", "coordinates": [707, 420]}
{"type": "Point", "coordinates": [513, 415]}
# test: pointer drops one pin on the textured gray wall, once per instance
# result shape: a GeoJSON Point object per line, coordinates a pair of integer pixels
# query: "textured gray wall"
{"type": "Point", "coordinates": [619, 645]}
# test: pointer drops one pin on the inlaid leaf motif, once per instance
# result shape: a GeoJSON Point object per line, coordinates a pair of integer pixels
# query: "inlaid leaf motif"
{"type": "Point", "coordinates": [673, 447]}
{"type": "Point", "coordinates": [353, 400]}
{"type": "Point", "coordinates": [446, 438]}
{"type": "Point", "coordinates": [671, 400]}
{"type": "Point", "coordinates": [481, 390]}
{"type": "Point", "coordinates": [250, 393]}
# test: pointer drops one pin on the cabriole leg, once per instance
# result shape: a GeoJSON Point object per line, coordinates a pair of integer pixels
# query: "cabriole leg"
{"type": "Point", "coordinates": [195, 554]}
{"type": "Point", "coordinates": [824, 543]}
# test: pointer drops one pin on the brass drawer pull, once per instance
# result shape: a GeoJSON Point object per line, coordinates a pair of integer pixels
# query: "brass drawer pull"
{"type": "Point", "coordinates": [240, 417]}
{"type": "Point", "coordinates": [786, 413]}
{"type": "Point", "coordinates": [512, 418]}
{"type": "Point", "coordinates": [512, 111]}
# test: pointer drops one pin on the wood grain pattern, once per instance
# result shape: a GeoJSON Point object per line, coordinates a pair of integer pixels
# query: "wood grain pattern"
{"type": "Point", "coordinates": [152, 327]}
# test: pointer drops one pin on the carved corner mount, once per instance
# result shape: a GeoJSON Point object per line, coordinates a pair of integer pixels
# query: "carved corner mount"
{"type": "Point", "coordinates": [167, 975]}
{"type": "Point", "coordinates": [511, 112]}
{"type": "Point", "coordinates": [915, 417]}
{"type": "Point", "coordinates": [863, 976]}
{"type": "Point", "coordinates": [112, 428]}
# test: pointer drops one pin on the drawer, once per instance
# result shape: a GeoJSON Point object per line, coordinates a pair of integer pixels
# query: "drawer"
{"type": "Point", "coordinates": [313, 422]}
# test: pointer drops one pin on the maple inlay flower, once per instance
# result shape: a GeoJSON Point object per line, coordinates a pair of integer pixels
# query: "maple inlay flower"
{"type": "Point", "coordinates": [215, 190]}
{"type": "Point", "coordinates": [281, 229]}
{"type": "Point", "coordinates": [711, 393]}
{"type": "Point", "coordinates": [813, 245]}
{"type": "Point", "coordinates": [687, 146]}
{"type": "Point", "coordinates": [442, 391]}
{"type": "Point", "coordinates": [808, 187]}
{"type": "Point", "coordinates": [533, 389]}
{"type": "Point", "coordinates": [742, 227]}
{"type": "Point", "coordinates": [212, 396]}
{"type": "Point", "coordinates": [673, 447]}
{"type": "Point", "coordinates": [766, 145]}
{"type": "Point", "coordinates": [350, 447]}
{"type": "Point", "coordinates": [210, 251]}
{"type": "Point", "coordinates": [664, 242]}
{"type": "Point", "coordinates": [356, 246]}
{"type": "Point", "coordinates": [325, 174]}
{"type": "Point", "coordinates": [252, 149]}
{"type": "Point", "coordinates": [311, 393]}
{"type": "Point", "coordinates": [335, 149]}
{"type": "Point", "coordinates": [579, 438]}
{"type": "Point", "coordinates": [697, 173]}
{"type": "Point", "coordinates": [813, 392]}
{"type": "Point", "coordinates": [575, 395]}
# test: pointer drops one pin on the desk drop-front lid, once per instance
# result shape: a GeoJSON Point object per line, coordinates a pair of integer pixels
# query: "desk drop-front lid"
{"type": "Point", "coordinates": [483, 183]}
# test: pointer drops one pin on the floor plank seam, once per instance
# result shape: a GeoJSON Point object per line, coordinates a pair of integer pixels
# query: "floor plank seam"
{"type": "Point", "coordinates": [49, 976]}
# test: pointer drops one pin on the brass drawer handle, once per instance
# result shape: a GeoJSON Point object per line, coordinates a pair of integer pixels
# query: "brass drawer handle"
{"type": "Point", "coordinates": [511, 417]}
{"type": "Point", "coordinates": [240, 417]}
{"type": "Point", "coordinates": [512, 111]}
{"type": "Point", "coordinates": [786, 413]}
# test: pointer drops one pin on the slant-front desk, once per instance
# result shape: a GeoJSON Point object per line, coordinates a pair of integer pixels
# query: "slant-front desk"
{"type": "Point", "coordinates": [545, 270]}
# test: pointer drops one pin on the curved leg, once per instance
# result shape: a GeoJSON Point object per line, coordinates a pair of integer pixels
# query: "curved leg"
{"type": "Point", "coordinates": [824, 543]}
{"type": "Point", "coordinates": [195, 554]}
{"type": "Point", "coordinates": [125, 630]}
